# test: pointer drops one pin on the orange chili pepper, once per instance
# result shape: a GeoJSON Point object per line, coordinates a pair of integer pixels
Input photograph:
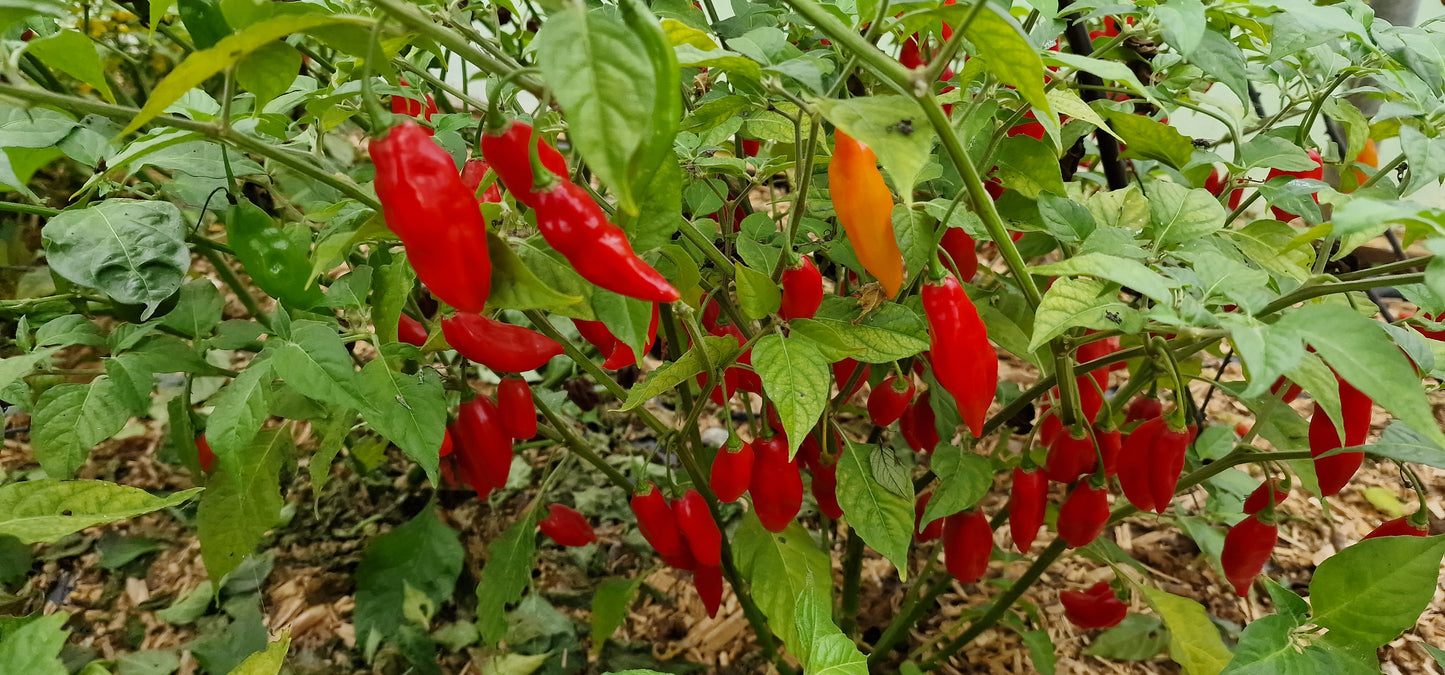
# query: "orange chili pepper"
{"type": "Point", "coordinates": [865, 208]}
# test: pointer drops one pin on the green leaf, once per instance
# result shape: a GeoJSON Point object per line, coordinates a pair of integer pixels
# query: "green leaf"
{"type": "Point", "coordinates": [1182, 21]}
{"type": "Point", "coordinates": [1123, 271]}
{"type": "Point", "coordinates": [882, 518]}
{"type": "Point", "coordinates": [408, 410]}
{"type": "Point", "coordinates": [507, 573]}
{"type": "Point", "coordinates": [1273, 152]}
{"type": "Point", "coordinates": [135, 251]}
{"type": "Point", "coordinates": [1071, 303]}
{"type": "Point", "coordinates": [963, 479]}
{"type": "Point", "coordinates": [1400, 442]}
{"type": "Point", "coordinates": [1370, 592]}
{"type": "Point", "coordinates": [891, 126]}
{"type": "Point", "coordinates": [1029, 167]}
{"type": "Point", "coordinates": [780, 568]}
{"type": "Point", "coordinates": [16, 367]}
{"type": "Point", "coordinates": [888, 333]}
{"type": "Point", "coordinates": [240, 504]}
{"type": "Point", "coordinates": [827, 340]}
{"type": "Point", "coordinates": [1066, 102]}
{"type": "Point", "coordinates": [1178, 214]}
{"type": "Point", "coordinates": [72, 53]}
{"type": "Point", "coordinates": [1152, 140]}
{"type": "Point", "coordinates": [333, 438]}
{"type": "Point", "coordinates": [822, 646]}
{"type": "Point", "coordinates": [315, 362]}
{"type": "Point", "coordinates": [269, 71]}
{"type": "Point", "coordinates": [1041, 651]}
{"type": "Point", "coordinates": [609, 609]}
{"type": "Point", "coordinates": [1194, 642]}
{"type": "Point", "coordinates": [267, 661]}
{"type": "Point", "coordinates": [197, 311]}
{"type": "Point", "coordinates": [189, 607]}
{"type": "Point", "coordinates": [795, 376]}
{"type": "Point", "coordinates": [33, 647]}
{"type": "Point", "coordinates": [239, 411]}
{"type": "Point", "coordinates": [422, 555]}
{"type": "Point", "coordinates": [70, 419]}
{"type": "Point", "coordinates": [45, 510]}
{"type": "Point", "coordinates": [685, 368]}
{"type": "Point", "coordinates": [628, 319]}
{"type": "Point", "coordinates": [1106, 70]}
{"type": "Point", "coordinates": [514, 286]}
{"type": "Point", "coordinates": [1005, 50]}
{"type": "Point", "coordinates": [1222, 59]}
{"type": "Point", "coordinates": [1139, 638]}
{"type": "Point", "coordinates": [758, 296]}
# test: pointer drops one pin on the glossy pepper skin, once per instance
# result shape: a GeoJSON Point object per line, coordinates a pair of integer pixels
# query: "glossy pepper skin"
{"type": "Point", "coordinates": [1247, 548]}
{"type": "Point", "coordinates": [1027, 503]}
{"type": "Point", "coordinates": [1399, 527]}
{"type": "Point", "coordinates": [1336, 470]}
{"type": "Point", "coordinates": [964, 360]}
{"type": "Point", "coordinates": [934, 529]}
{"type": "Point", "coordinates": [473, 173]}
{"type": "Point", "coordinates": [401, 105]}
{"type": "Point", "coordinates": [967, 544]}
{"type": "Point", "coordinates": [658, 525]}
{"type": "Point", "coordinates": [205, 456]}
{"type": "Point", "coordinates": [699, 530]}
{"type": "Point", "coordinates": [918, 425]}
{"type": "Point", "coordinates": [1267, 495]}
{"type": "Point", "coordinates": [1167, 465]}
{"type": "Point", "coordinates": [889, 399]}
{"type": "Point", "coordinates": [616, 353]}
{"type": "Point", "coordinates": [484, 451]}
{"type": "Point", "coordinates": [426, 204]}
{"type": "Point", "coordinates": [1134, 463]}
{"type": "Point", "coordinates": [1083, 515]}
{"type": "Point", "coordinates": [1095, 608]}
{"type": "Point", "coordinates": [447, 444]}
{"type": "Point", "coordinates": [825, 489]}
{"type": "Point", "coordinates": [1143, 408]}
{"type": "Point", "coordinates": [500, 346]}
{"type": "Point", "coordinates": [577, 228]}
{"type": "Point", "coordinates": [509, 152]}
{"type": "Point", "coordinates": [865, 208]}
{"type": "Point", "coordinates": [411, 331]}
{"type": "Point", "coordinates": [802, 290]}
{"type": "Point", "coordinates": [843, 371]}
{"type": "Point", "coordinates": [1316, 173]}
{"type": "Point", "coordinates": [1111, 443]}
{"type": "Point", "coordinates": [566, 526]}
{"type": "Point", "coordinates": [709, 584]}
{"type": "Point", "coordinates": [1070, 457]}
{"type": "Point", "coordinates": [777, 485]}
{"type": "Point", "coordinates": [732, 472]}
{"type": "Point", "coordinates": [962, 253]}
{"type": "Point", "coordinates": [276, 257]}
{"type": "Point", "coordinates": [1291, 390]}
{"type": "Point", "coordinates": [519, 413]}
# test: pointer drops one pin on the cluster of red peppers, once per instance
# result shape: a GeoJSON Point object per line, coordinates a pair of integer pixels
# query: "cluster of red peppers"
{"type": "Point", "coordinates": [685, 536]}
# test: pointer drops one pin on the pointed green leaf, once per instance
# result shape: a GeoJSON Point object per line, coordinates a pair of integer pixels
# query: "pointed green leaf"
{"type": "Point", "coordinates": [46, 510]}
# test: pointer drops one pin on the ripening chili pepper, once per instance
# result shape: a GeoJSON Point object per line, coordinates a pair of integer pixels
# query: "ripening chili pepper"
{"type": "Point", "coordinates": [401, 105]}
{"type": "Point", "coordinates": [1215, 185]}
{"type": "Point", "coordinates": [709, 584]}
{"type": "Point", "coordinates": [1084, 514]}
{"type": "Point", "coordinates": [918, 425]}
{"type": "Point", "coordinates": [865, 208]}
{"type": "Point", "coordinates": [1027, 502]}
{"type": "Point", "coordinates": [1097, 607]}
{"type": "Point", "coordinates": [732, 470]}
{"type": "Point", "coordinates": [1368, 156]}
{"type": "Point", "coordinates": [1070, 457]}
{"type": "Point", "coordinates": [576, 227]}
{"type": "Point", "coordinates": [411, 331]}
{"type": "Point", "coordinates": [964, 360]}
{"type": "Point", "coordinates": [658, 525]}
{"type": "Point", "coordinates": [1290, 394]}
{"type": "Point", "coordinates": [205, 456]}
{"type": "Point", "coordinates": [1335, 471]}
{"type": "Point", "coordinates": [1316, 173]}
{"type": "Point", "coordinates": [509, 151]}
{"type": "Point", "coordinates": [802, 290]}
{"type": "Point", "coordinates": [967, 545]}
{"type": "Point", "coordinates": [566, 526]}
{"type": "Point", "coordinates": [889, 399]}
{"type": "Point", "coordinates": [1267, 495]}
{"type": "Point", "coordinates": [934, 529]}
{"type": "Point", "coordinates": [909, 56]}
{"type": "Point", "coordinates": [777, 485]}
{"type": "Point", "coordinates": [699, 530]}
{"type": "Point", "coordinates": [959, 253]}
{"type": "Point", "coordinates": [616, 354]}
{"type": "Point", "coordinates": [427, 205]}
{"type": "Point", "coordinates": [500, 346]}
{"type": "Point", "coordinates": [473, 173]}
{"type": "Point", "coordinates": [1143, 408]}
{"type": "Point", "coordinates": [825, 489]}
{"type": "Point", "coordinates": [1134, 461]}
{"type": "Point", "coordinates": [1167, 464]}
{"type": "Point", "coordinates": [1404, 526]}
{"type": "Point", "coordinates": [278, 258]}
{"type": "Point", "coordinates": [1247, 548]}
{"type": "Point", "coordinates": [519, 413]}
{"type": "Point", "coordinates": [484, 450]}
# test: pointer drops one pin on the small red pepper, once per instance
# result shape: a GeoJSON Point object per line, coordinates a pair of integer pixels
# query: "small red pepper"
{"type": "Point", "coordinates": [1335, 471]}
{"type": "Point", "coordinates": [1097, 607]}
{"type": "Point", "coordinates": [658, 525]}
{"type": "Point", "coordinates": [411, 331]}
{"type": "Point", "coordinates": [401, 105]}
{"type": "Point", "coordinates": [566, 526]}
{"type": "Point", "coordinates": [500, 346]}
{"type": "Point", "coordinates": [473, 173]}
{"type": "Point", "coordinates": [923, 533]}
{"type": "Point", "coordinates": [1267, 495]}
{"type": "Point", "coordinates": [1143, 408]}
{"type": "Point", "coordinates": [843, 371]}
{"type": "Point", "coordinates": [777, 485]}
{"type": "Point", "coordinates": [1167, 464]}
{"type": "Point", "coordinates": [1110, 446]}
{"type": "Point", "coordinates": [204, 455]}
{"type": "Point", "coordinates": [1290, 394]}
{"type": "Point", "coordinates": [967, 545]}
{"type": "Point", "coordinates": [446, 443]}
{"type": "Point", "coordinates": [616, 353]}
{"type": "Point", "coordinates": [1403, 526]}
{"type": "Point", "coordinates": [1084, 514]}
{"type": "Point", "coordinates": [519, 413]}
{"type": "Point", "coordinates": [509, 151]}
{"type": "Point", "coordinates": [825, 489]}
{"type": "Point", "coordinates": [802, 290]}
{"type": "Point", "coordinates": [1027, 503]}
{"type": "Point", "coordinates": [1134, 462]}
{"type": "Point", "coordinates": [699, 530]}
{"type": "Point", "coordinates": [1215, 185]}
{"type": "Point", "coordinates": [1247, 548]}
{"type": "Point", "coordinates": [964, 360]}
{"type": "Point", "coordinates": [732, 471]}
{"type": "Point", "coordinates": [918, 425]}
{"type": "Point", "coordinates": [1317, 173]}
{"type": "Point", "coordinates": [709, 584]}
{"type": "Point", "coordinates": [485, 450]}
{"type": "Point", "coordinates": [1070, 457]}
{"type": "Point", "coordinates": [959, 253]}
{"type": "Point", "coordinates": [577, 228]}
{"type": "Point", "coordinates": [889, 399]}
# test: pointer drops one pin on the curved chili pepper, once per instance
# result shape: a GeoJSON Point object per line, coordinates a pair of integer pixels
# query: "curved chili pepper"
{"type": "Point", "coordinates": [473, 172]}
{"type": "Point", "coordinates": [865, 208]}
{"type": "Point", "coordinates": [1134, 462]}
{"type": "Point", "coordinates": [426, 204]}
{"type": "Point", "coordinates": [566, 526]}
{"type": "Point", "coordinates": [964, 360]}
{"type": "Point", "coordinates": [658, 525]}
{"type": "Point", "coordinates": [918, 425]}
{"type": "Point", "coordinates": [1027, 503]}
{"type": "Point", "coordinates": [1084, 514]}
{"type": "Point", "coordinates": [962, 253]}
{"type": "Point", "coordinates": [699, 530]}
{"type": "Point", "coordinates": [934, 529]}
{"type": "Point", "coordinates": [1143, 408]}
{"type": "Point", "coordinates": [889, 399]}
{"type": "Point", "coordinates": [843, 371]}
{"type": "Point", "coordinates": [576, 227]}
{"type": "Point", "coordinates": [777, 485]}
{"type": "Point", "coordinates": [1247, 548]}
{"type": "Point", "coordinates": [1404, 526]}
{"type": "Point", "coordinates": [277, 258]}
{"type": "Point", "coordinates": [205, 456]}
{"type": "Point", "coordinates": [1317, 173]}
{"type": "Point", "coordinates": [616, 353]}
{"type": "Point", "coordinates": [709, 584]}
{"type": "Point", "coordinates": [411, 331]}
{"type": "Point", "coordinates": [732, 471]}
{"type": "Point", "coordinates": [484, 451]}
{"type": "Point", "coordinates": [1097, 607]}
{"type": "Point", "coordinates": [967, 545]}
{"type": "Point", "coordinates": [509, 152]}
{"type": "Point", "coordinates": [1070, 457]}
{"type": "Point", "coordinates": [1336, 470]}
{"type": "Point", "coordinates": [802, 290]}
{"type": "Point", "coordinates": [1267, 495]}
{"type": "Point", "coordinates": [825, 489]}
{"type": "Point", "coordinates": [1167, 464]}
{"type": "Point", "coordinates": [500, 346]}
{"type": "Point", "coordinates": [519, 413]}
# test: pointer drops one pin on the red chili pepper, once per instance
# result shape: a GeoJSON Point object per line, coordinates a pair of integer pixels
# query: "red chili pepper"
{"type": "Point", "coordinates": [918, 425]}
{"type": "Point", "coordinates": [446, 443]}
{"type": "Point", "coordinates": [204, 455]}
{"type": "Point", "coordinates": [577, 228]}
{"type": "Point", "coordinates": [1247, 548]}
{"type": "Point", "coordinates": [967, 545]}
{"type": "Point", "coordinates": [802, 290]}
{"type": "Point", "coordinates": [473, 172]}
{"type": "Point", "coordinates": [1070, 457]}
{"type": "Point", "coordinates": [732, 471]}
{"type": "Point", "coordinates": [963, 359]}
{"type": "Point", "coordinates": [1097, 607]}
{"type": "Point", "coordinates": [921, 532]}
{"type": "Point", "coordinates": [751, 147]}
{"type": "Point", "coordinates": [1167, 464]}
{"type": "Point", "coordinates": [509, 152]}
{"type": "Point", "coordinates": [1399, 527]}
{"type": "Point", "coordinates": [616, 353]}
{"type": "Point", "coordinates": [500, 346]}
{"type": "Point", "coordinates": [889, 399]}
{"type": "Point", "coordinates": [566, 526]}
{"type": "Point", "coordinates": [411, 331]}
{"type": "Point", "coordinates": [1317, 173]}
{"type": "Point", "coordinates": [843, 371]}
{"type": "Point", "coordinates": [825, 489]}
{"type": "Point", "coordinates": [709, 584]}
{"type": "Point", "coordinates": [401, 105]}
{"type": "Point", "coordinates": [427, 205]}
{"type": "Point", "coordinates": [1267, 495]}
{"type": "Point", "coordinates": [659, 526]}
{"type": "Point", "coordinates": [1336, 470]}
{"type": "Point", "coordinates": [1215, 185]}
{"type": "Point", "coordinates": [700, 531]}
{"type": "Point", "coordinates": [1027, 502]}
{"type": "Point", "coordinates": [777, 485]}
{"type": "Point", "coordinates": [1110, 445]}
{"type": "Point", "coordinates": [485, 450]}
{"type": "Point", "coordinates": [1134, 462]}
{"type": "Point", "coordinates": [1290, 394]}
{"type": "Point", "coordinates": [1084, 514]}
{"type": "Point", "coordinates": [519, 413]}
{"type": "Point", "coordinates": [1032, 129]}
{"type": "Point", "coordinates": [962, 253]}
{"type": "Point", "coordinates": [1143, 408]}
{"type": "Point", "coordinates": [711, 311]}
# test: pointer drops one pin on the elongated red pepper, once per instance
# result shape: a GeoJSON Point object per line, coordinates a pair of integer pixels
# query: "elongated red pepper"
{"type": "Point", "coordinates": [709, 584]}
{"type": "Point", "coordinates": [825, 489]}
{"type": "Point", "coordinates": [447, 445]}
{"type": "Point", "coordinates": [1111, 443]}
{"type": "Point", "coordinates": [918, 425]}
{"type": "Point", "coordinates": [500, 346]}
{"type": "Point", "coordinates": [1247, 548]}
{"type": "Point", "coordinates": [1134, 462]}
{"type": "Point", "coordinates": [967, 545]}
{"type": "Point", "coordinates": [205, 456]}
{"type": "Point", "coordinates": [577, 228]}
{"type": "Point", "coordinates": [509, 151]}
{"type": "Point", "coordinates": [1095, 608]}
{"type": "Point", "coordinates": [1267, 495]}
{"type": "Point", "coordinates": [843, 371]}
{"type": "Point", "coordinates": [1027, 503]}
{"type": "Point", "coordinates": [1290, 394]}
{"type": "Point", "coordinates": [473, 173]}
{"type": "Point", "coordinates": [616, 353]}
{"type": "Point", "coordinates": [732, 471]}
{"type": "Point", "coordinates": [1336, 470]}
{"type": "Point", "coordinates": [777, 486]}
{"type": "Point", "coordinates": [1084, 514]}
{"type": "Point", "coordinates": [411, 331]}
{"type": "Point", "coordinates": [964, 361]}
{"type": "Point", "coordinates": [1404, 526]}
{"type": "Point", "coordinates": [802, 290]}
{"type": "Point", "coordinates": [924, 533]}
{"type": "Point", "coordinates": [484, 451]}
{"type": "Point", "coordinates": [566, 526]}
{"type": "Point", "coordinates": [658, 525]}
{"type": "Point", "coordinates": [1317, 173]}
{"type": "Point", "coordinates": [426, 204]}
{"type": "Point", "coordinates": [519, 413]}
{"type": "Point", "coordinates": [889, 399]}
{"type": "Point", "coordinates": [1167, 464]}
{"type": "Point", "coordinates": [699, 530]}
{"type": "Point", "coordinates": [962, 253]}
{"type": "Point", "coordinates": [1070, 457]}
{"type": "Point", "coordinates": [865, 208]}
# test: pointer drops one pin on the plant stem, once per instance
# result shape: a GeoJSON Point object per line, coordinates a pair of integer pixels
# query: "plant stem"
{"type": "Point", "coordinates": [579, 447]}
{"type": "Point", "coordinates": [414, 19]}
{"type": "Point", "coordinates": [690, 233]}
{"type": "Point", "coordinates": [234, 283]}
{"type": "Point", "coordinates": [1315, 291]}
{"type": "Point", "coordinates": [852, 580]}
{"type": "Point", "coordinates": [800, 203]}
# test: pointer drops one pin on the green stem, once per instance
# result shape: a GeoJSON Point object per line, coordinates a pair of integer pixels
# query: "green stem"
{"type": "Point", "coordinates": [579, 447]}
{"type": "Point", "coordinates": [805, 179]}
{"type": "Point", "coordinates": [234, 283]}
{"type": "Point", "coordinates": [690, 233]}
{"type": "Point", "coordinates": [852, 580]}
{"type": "Point", "coordinates": [945, 54]}
{"type": "Point", "coordinates": [1317, 102]}
{"type": "Point", "coordinates": [414, 19]}
{"type": "Point", "coordinates": [1315, 291]}
{"type": "Point", "coordinates": [12, 207]}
